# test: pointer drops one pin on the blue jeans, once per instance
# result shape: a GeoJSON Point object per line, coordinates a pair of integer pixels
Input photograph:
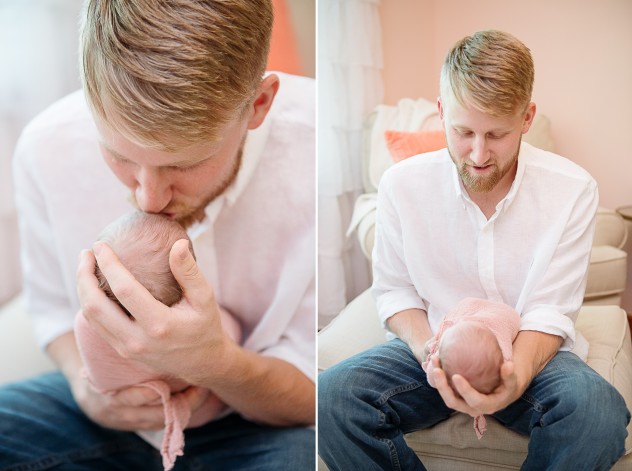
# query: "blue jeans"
{"type": "Point", "coordinates": [575, 419]}
{"type": "Point", "coordinates": [41, 427]}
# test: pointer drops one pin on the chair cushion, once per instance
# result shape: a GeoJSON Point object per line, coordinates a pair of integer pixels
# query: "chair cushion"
{"type": "Point", "coordinates": [403, 144]}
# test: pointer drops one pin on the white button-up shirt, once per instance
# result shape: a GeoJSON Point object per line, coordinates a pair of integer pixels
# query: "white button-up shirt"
{"type": "Point", "coordinates": [434, 246]}
{"type": "Point", "coordinates": [256, 246]}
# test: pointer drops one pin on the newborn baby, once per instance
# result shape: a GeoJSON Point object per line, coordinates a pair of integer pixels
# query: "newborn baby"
{"type": "Point", "coordinates": [470, 349]}
{"type": "Point", "coordinates": [142, 242]}
{"type": "Point", "coordinates": [474, 340]}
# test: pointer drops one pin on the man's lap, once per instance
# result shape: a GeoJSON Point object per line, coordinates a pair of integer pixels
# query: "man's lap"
{"type": "Point", "coordinates": [41, 426]}
{"type": "Point", "coordinates": [391, 375]}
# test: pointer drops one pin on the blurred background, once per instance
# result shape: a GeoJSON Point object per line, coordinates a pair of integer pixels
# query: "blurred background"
{"type": "Point", "coordinates": [38, 53]}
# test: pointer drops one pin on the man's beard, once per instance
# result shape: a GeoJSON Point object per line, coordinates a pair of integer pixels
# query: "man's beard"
{"type": "Point", "coordinates": [484, 183]}
{"type": "Point", "coordinates": [187, 215]}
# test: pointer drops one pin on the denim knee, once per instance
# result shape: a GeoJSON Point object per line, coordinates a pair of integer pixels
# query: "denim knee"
{"type": "Point", "coordinates": [335, 396]}
{"type": "Point", "coordinates": [582, 419]}
{"type": "Point", "coordinates": [601, 414]}
{"type": "Point", "coordinates": [594, 407]}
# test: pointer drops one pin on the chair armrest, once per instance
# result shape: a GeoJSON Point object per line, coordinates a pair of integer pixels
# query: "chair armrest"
{"type": "Point", "coordinates": [607, 274]}
{"type": "Point", "coordinates": [363, 222]}
{"type": "Point", "coordinates": [354, 330]}
{"type": "Point", "coordinates": [610, 229]}
{"type": "Point", "coordinates": [17, 343]}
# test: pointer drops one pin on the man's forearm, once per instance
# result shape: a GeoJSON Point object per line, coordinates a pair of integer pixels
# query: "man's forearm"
{"type": "Point", "coordinates": [532, 350]}
{"type": "Point", "coordinates": [411, 325]}
{"type": "Point", "coordinates": [65, 354]}
{"type": "Point", "coordinates": [264, 389]}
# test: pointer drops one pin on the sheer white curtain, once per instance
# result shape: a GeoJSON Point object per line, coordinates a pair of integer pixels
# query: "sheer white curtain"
{"type": "Point", "coordinates": [349, 87]}
{"type": "Point", "coordinates": [38, 63]}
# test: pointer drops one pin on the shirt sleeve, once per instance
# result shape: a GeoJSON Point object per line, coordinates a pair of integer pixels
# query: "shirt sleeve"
{"type": "Point", "coordinates": [287, 330]}
{"type": "Point", "coordinates": [392, 288]}
{"type": "Point", "coordinates": [43, 280]}
{"type": "Point", "coordinates": [297, 344]}
{"type": "Point", "coordinates": [554, 301]}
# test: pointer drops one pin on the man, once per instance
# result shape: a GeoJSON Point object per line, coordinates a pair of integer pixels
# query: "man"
{"type": "Point", "coordinates": [178, 119]}
{"type": "Point", "coordinates": [493, 218]}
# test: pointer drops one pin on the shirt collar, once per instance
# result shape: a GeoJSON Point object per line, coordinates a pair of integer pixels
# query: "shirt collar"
{"type": "Point", "coordinates": [253, 150]}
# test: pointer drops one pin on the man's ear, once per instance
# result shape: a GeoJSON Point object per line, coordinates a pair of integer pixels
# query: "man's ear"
{"type": "Point", "coordinates": [263, 100]}
{"type": "Point", "coordinates": [440, 106]}
{"type": "Point", "coordinates": [528, 117]}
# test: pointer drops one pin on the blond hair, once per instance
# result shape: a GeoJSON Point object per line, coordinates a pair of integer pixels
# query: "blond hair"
{"type": "Point", "coordinates": [155, 70]}
{"type": "Point", "coordinates": [142, 242]}
{"type": "Point", "coordinates": [491, 71]}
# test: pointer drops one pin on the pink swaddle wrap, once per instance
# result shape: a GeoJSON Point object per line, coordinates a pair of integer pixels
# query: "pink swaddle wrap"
{"type": "Point", "coordinates": [108, 372]}
{"type": "Point", "coordinates": [500, 319]}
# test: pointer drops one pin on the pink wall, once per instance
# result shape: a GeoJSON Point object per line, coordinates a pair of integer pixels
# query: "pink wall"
{"type": "Point", "coordinates": [583, 56]}
{"type": "Point", "coordinates": [583, 59]}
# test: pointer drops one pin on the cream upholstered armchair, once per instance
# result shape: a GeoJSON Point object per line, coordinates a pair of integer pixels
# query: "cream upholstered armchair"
{"type": "Point", "coordinates": [451, 445]}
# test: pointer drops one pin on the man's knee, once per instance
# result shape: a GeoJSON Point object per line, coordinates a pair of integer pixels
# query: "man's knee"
{"type": "Point", "coordinates": [595, 407]}
{"type": "Point", "coordinates": [334, 393]}
{"type": "Point", "coordinates": [606, 412]}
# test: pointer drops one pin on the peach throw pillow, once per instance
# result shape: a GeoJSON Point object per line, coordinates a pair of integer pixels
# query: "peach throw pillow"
{"type": "Point", "coordinates": [404, 144]}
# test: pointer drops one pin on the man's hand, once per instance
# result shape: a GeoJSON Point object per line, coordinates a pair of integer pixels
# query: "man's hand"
{"type": "Point", "coordinates": [532, 350]}
{"type": "Point", "coordinates": [177, 341]}
{"type": "Point", "coordinates": [140, 408]}
{"type": "Point", "coordinates": [134, 408]}
{"type": "Point", "coordinates": [468, 400]}
{"type": "Point", "coordinates": [187, 340]}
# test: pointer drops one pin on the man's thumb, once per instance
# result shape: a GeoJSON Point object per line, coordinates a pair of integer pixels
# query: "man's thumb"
{"type": "Point", "coordinates": [185, 269]}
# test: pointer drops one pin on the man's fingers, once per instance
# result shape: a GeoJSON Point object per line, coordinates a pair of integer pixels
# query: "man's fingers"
{"type": "Point", "coordinates": [125, 287]}
{"type": "Point", "coordinates": [138, 396]}
{"type": "Point", "coordinates": [187, 273]}
{"type": "Point", "coordinates": [470, 395]}
{"type": "Point", "coordinates": [128, 409]}
{"type": "Point", "coordinates": [447, 393]}
{"type": "Point", "coordinates": [196, 396]}
{"type": "Point", "coordinates": [205, 405]}
{"type": "Point", "coordinates": [96, 307]}
{"type": "Point", "coordinates": [86, 281]}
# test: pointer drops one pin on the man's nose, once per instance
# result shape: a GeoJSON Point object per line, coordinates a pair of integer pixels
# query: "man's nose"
{"type": "Point", "coordinates": [479, 154]}
{"type": "Point", "coordinates": [152, 191]}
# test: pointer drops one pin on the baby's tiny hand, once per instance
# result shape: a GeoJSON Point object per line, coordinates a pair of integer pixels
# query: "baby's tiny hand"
{"type": "Point", "coordinates": [426, 351]}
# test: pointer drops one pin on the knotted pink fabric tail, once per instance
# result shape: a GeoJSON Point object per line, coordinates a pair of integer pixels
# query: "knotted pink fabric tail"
{"type": "Point", "coordinates": [480, 425]}
{"type": "Point", "coordinates": [177, 416]}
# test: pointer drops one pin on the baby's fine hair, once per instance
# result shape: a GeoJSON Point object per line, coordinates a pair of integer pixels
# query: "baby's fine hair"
{"type": "Point", "coordinates": [142, 242]}
{"type": "Point", "coordinates": [471, 350]}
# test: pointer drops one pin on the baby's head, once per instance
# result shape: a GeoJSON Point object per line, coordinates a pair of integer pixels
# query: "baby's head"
{"type": "Point", "coordinates": [471, 350]}
{"type": "Point", "coordinates": [142, 242]}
